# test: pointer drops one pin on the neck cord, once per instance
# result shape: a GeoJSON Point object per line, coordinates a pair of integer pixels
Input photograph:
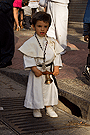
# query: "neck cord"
{"type": "Point", "coordinates": [41, 47]}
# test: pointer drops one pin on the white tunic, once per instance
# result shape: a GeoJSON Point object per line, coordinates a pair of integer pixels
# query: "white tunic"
{"type": "Point", "coordinates": [33, 3]}
{"type": "Point", "coordinates": [38, 94]}
{"type": "Point", "coordinates": [27, 10]}
{"type": "Point", "coordinates": [58, 9]}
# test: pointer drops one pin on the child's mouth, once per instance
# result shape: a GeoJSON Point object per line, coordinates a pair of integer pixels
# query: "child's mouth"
{"type": "Point", "coordinates": [42, 33]}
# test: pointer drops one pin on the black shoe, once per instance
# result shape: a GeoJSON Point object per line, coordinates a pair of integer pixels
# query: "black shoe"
{"type": "Point", "coordinates": [86, 73]}
{"type": "Point", "coordinates": [3, 65]}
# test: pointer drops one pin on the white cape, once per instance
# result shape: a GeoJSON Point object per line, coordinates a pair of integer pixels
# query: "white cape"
{"type": "Point", "coordinates": [38, 94]}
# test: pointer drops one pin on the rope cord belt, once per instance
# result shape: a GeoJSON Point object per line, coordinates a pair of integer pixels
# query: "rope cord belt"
{"type": "Point", "coordinates": [46, 65]}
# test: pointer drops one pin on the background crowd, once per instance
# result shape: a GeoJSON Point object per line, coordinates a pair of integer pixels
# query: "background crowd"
{"type": "Point", "coordinates": [58, 9]}
{"type": "Point", "coordinates": [17, 14]}
{"type": "Point", "coordinates": [23, 11]}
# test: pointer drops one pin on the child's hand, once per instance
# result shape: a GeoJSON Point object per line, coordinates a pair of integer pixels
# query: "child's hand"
{"type": "Point", "coordinates": [86, 38]}
{"type": "Point", "coordinates": [36, 71]}
{"type": "Point", "coordinates": [47, 72]}
{"type": "Point", "coordinates": [56, 70]}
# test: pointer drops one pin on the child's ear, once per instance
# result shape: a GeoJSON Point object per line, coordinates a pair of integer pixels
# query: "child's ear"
{"type": "Point", "coordinates": [33, 27]}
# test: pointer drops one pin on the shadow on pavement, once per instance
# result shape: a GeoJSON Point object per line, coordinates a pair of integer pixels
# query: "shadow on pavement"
{"type": "Point", "coordinates": [74, 109]}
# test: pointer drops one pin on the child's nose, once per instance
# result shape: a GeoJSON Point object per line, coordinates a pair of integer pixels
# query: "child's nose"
{"type": "Point", "coordinates": [42, 28]}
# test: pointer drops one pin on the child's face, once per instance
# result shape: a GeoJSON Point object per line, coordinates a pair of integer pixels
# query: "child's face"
{"type": "Point", "coordinates": [41, 28]}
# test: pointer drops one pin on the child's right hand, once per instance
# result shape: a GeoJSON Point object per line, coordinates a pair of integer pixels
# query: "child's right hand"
{"type": "Point", "coordinates": [86, 38]}
{"type": "Point", "coordinates": [47, 72]}
{"type": "Point", "coordinates": [36, 71]}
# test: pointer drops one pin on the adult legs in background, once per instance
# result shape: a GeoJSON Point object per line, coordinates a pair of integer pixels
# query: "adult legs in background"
{"type": "Point", "coordinates": [86, 73]}
{"type": "Point", "coordinates": [33, 10]}
{"type": "Point", "coordinates": [88, 58]}
{"type": "Point", "coordinates": [6, 39]}
{"type": "Point", "coordinates": [58, 28]}
{"type": "Point", "coordinates": [15, 11]}
{"type": "Point", "coordinates": [21, 18]}
{"type": "Point", "coordinates": [27, 22]}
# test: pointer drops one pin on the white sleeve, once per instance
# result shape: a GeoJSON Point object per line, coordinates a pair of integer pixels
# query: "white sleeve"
{"type": "Point", "coordinates": [22, 7]}
{"type": "Point", "coordinates": [28, 62]}
{"type": "Point", "coordinates": [57, 60]}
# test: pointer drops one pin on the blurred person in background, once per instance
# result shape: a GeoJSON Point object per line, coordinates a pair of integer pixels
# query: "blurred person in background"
{"type": "Point", "coordinates": [86, 34]}
{"type": "Point", "coordinates": [33, 5]}
{"type": "Point", "coordinates": [58, 9]}
{"type": "Point", "coordinates": [27, 14]}
{"type": "Point", "coordinates": [16, 10]}
{"type": "Point", "coordinates": [6, 33]}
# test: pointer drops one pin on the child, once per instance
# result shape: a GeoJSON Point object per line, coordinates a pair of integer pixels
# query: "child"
{"type": "Point", "coordinates": [40, 50]}
{"type": "Point", "coordinates": [86, 35]}
{"type": "Point", "coordinates": [27, 14]}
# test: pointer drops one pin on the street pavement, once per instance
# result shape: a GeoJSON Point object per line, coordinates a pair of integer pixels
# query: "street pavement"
{"type": "Point", "coordinates": [70, 124]}
{"type": "Point", "coordinates": [12, 84]}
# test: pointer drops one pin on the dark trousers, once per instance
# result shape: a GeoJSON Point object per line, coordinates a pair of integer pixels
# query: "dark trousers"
{"type": "Point", "coordinates": [6, 36]}
{"type": "Point", "coordinates": [27, 20]}
{"type": "Point", "coordinates": [88, 58]}
{"type": "Point", "coordinates": [89, 42]}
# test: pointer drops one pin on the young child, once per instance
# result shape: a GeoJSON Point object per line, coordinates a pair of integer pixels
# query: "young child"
{"type": "Point", "coordinates": [39, 53]}
{"type": "Point", "coordinates": [27, 14]}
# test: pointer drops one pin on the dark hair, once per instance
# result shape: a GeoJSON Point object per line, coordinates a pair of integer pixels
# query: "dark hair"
{"type": "Point", "coordinates": [25, 2]}
{"type": "Point", "coordinates": [41, 16]}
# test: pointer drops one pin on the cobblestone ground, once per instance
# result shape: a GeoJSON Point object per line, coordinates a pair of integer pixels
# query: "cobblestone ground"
{"type": "Point", "coordinates": [70, 124]}
{"type": "Point", "coordinates": [71, 73]}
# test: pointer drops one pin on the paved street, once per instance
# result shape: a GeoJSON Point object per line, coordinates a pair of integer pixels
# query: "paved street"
{"type": "Point", "coordinates": [70, 80]}
{"type": "Point", "coordinates": [67, 124]}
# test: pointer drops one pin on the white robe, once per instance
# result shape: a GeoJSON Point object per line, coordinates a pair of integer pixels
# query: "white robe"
{"type": "Point", "coordinates": [33, 3]}
{"type": "Point", "coordinates": [38, 94]}
{"type": "Point", "coordinates": [58, 9]}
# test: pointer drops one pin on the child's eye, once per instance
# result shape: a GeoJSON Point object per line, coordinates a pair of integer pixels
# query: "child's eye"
{"type": "Point", "coordinates": [39, 25]}
{"type": "Point", "coordinates": [45, 26]}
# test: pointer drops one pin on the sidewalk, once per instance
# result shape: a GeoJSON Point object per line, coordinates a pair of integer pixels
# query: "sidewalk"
{"type": "Point", "coordinates": [73, 85]}
{"type": "Point", "coordinates": [74, 90]}
{"type": "Point", "coordinates": [17, 120]}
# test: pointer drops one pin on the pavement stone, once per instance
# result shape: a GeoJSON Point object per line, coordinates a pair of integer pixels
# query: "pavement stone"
{"type": "Point", "coordinates": [73, 65]}
{"type": "Point", "coordinates": [9, 88]}
{"type": "Point", "coordinates": [12, 89]}
{"type": "Point", "coordinates": [70, 80]}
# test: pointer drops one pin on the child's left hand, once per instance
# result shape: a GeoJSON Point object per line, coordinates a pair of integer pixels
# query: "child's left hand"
{"type": "Point", "coordinates": [56, 70]}
{"type": "Point", "coordinates": [47, 72]}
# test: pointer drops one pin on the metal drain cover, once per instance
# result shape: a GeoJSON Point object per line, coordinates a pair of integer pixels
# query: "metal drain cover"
{"type": "Point", "coordinates": [22, 121]}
